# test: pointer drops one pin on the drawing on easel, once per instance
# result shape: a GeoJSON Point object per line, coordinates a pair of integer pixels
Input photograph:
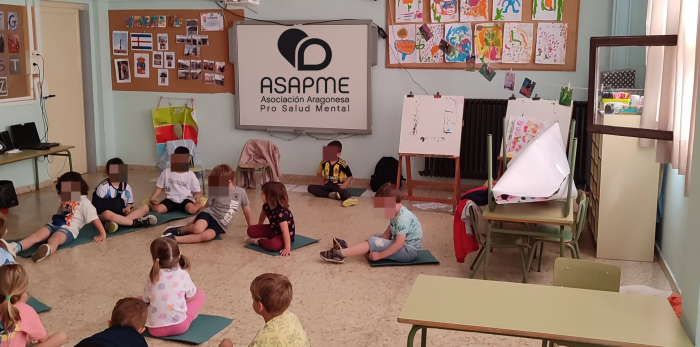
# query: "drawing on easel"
{"type": "Point", "coordinates": [431, 125]}
{"type": "Point", "coordinates": [534, 117]}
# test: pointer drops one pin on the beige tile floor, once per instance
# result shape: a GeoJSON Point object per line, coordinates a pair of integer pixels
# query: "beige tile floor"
{"type": "Point", "coordinates": [339, 305]}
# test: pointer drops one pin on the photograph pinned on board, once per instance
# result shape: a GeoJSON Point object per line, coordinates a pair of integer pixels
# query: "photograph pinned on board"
{"type": "Point", "coordinates": [183, 75]}
{"type": "Point", "coordinates": [212, 21]}
{"type": "Point", "coordinates": [138, 22]}
{"type": "Point", "coordinates": [220, 66]}
{"type": "Point", "coordinates": [141, 42]}
{"type": "Point", "coordinates": [12, 21]}
{"type": "Point", "coordinates": [129, 22]}
{"type": "Point", "coordinates": [471, 64]}
{"type": "Point", "coordinates": [183, 65]}
{"type": "Point", "coordinates": [13, 44]}
{"type": "Point", "coordinates": [425, 32]}
{"type": "Point", "coordinates": [120, 42]}
{"type": "Point", "coordinates": [169, 60]}
{"type": "Point", "coordinates": [15, 67]}
{"type": "Point", "coordinates": [565, 96]}
{"type": "Point", "coordinates": [146, 21]}
{"type": "Point", "coordinates": [200, 40]}
{"type": "Point", "coordinates": [155, 21]}
{"type": "Point", "coordinates": [2, 43]}
{"type": "Point", "coordinates": [163, 77]}
{"type": "Point", "coordinates": [208, 66]}
{"type": "Point", "coordinates": [158, 60]}
{"type": "Point", "coordinates": [192, 26]}
{"type": "Point", "coordinates": [2, 20]}
{"type": "Point", "coordinates": [162, 21]}
{"type": "Point", "coordinates": [195, 74]}
{"type": "Point", "coordinates": [177, 21]}
{"type": "Point", "coordinates": [209, 78]}
{"type": "Point", "coordinates": [3, 87]}
{"type": "Point", "coordinates": [509, 83]}
{"type": "Point", "coordinates": [141, 69]}
{"type": "Point", "coordinates": [527, 88]}
{"type": "Point", "coordinates": [195, 64]}
{"type": "Point", "coordinates": [487, 72]}
{"type": "Point", "coordinates": [191, 51]}
{"type": "Point", "coordinates": [183, 39]}
{"type": "Point", "coordinates": [445, 47]}
{"type": "Point", "coordinates": [162, 42]}
{"type": "Point", "coordinates": [122, 70]}
{"type": "Point", "coordinates": [219, 80]}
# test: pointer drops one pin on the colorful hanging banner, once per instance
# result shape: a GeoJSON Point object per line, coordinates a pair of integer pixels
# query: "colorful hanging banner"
{"type": "Point", "coordinates": [174, 123]}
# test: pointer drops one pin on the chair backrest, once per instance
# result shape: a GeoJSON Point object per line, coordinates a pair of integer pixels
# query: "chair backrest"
{"type": "Point", "coordinates": [582, 274]}
{"type": "Point", "coordinates": [582, 200]}
{"type": "Point", "coordinates": [472, 216]}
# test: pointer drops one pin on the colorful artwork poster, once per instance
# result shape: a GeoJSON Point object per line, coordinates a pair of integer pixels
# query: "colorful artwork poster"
{"type": "Point", "coordinates": [517, 43]}
{"type": "Point", "coordinates": [459, 35]}
{"type": "Point", "coordinates": [547, 9]}
{"type": "Point", "coordinates": [409, 11]}
{"type": "Point", "coordinates": [551, 43]}
{"type": "Point", "coordinates": [403, 44]}
{"type": "Point", "coordinates": [521, 132]}
{"type": "Point", "coordinates": [166, 119]}
{"type": "Point", "coordinates": [429, 51]}
{"type": "Point", "coordinates": [488, 38]}
{"type": "Point", "coordinates": [473, 10]}
{"type": "Point", "coordinates": [510, 10]}
{"type": "Point", "coordinates": [444, 11]}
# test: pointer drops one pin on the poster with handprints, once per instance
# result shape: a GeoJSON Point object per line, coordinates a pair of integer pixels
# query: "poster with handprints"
{"type": "Point", "coordinates": [510, 10]}
{"type": "Point", "coordinates": [547, 9]}
{"type": "Point", "coordinates": [409, 11]}
{"type": "Point", "coordinates": [402, 47]}
{"type": "Point", "coordinates": [517, 43]}
{"type": "Point", "coordinates": [429, 51]}
{"type": "Point", "coordinates": [444, 11]}
{"type": "Point", "coordinates": [551, 43]}
{"type": "Point", "coordinates": [459, 35]}
{"type": "Point", "coordinates": [521, 131]}
{"type": "Point", "coordinates": [473, 10]}
{"type": "Point", "coordinates": [488, 38]}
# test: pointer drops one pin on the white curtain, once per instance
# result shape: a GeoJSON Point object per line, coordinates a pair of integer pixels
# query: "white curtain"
{"type": "Point", "coordinates": [671, 82]}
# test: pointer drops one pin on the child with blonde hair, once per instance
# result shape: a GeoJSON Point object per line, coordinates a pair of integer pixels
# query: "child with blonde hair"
{"type": "Point", "coordinates": [21, 323]}
{"type": "Point", "coordinates": [174, 301]}
{"type": "Point", "coordinates": [279, 234]}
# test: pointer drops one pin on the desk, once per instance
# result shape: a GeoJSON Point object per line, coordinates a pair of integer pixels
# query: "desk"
{"type": "Point", "coordinates": [61, 151]}
{"type": "Point", "coordinates": [538, 312]}
{"type": "Point", "coordinates": [545, 212]}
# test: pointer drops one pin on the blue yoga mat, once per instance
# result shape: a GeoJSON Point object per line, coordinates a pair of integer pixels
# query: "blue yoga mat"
{"type": "Point", "coordinates": [202, 329]}
{"type": "Point", "coordinates": [424, 258]}
{"type": "Point", "coordinates": [299, 241]}
{"type": "Point", "coordinates": [37, 305]}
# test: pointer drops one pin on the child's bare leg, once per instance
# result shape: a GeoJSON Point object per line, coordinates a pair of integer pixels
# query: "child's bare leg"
{"type": "Point", "coordinates": [57, 239]}
{"type": "Point", "coordinates": [197, 228]}
{"type": "Point", "coordinates": [193, 207]}
{"type": "Point", "coordinates": [358, 249]}
{"type": "Point", "coordinates": [40, 235]}
{"type": "Point", "coordinates": [109, 216]}
{"type": "Point", "coordinates": [137, 213]}
{"type": "Point", "coordinates": [159, 208]}
{"type": "Point", "coordinates": [205, 236]}
{"type": "Point", "coordinates": [56, 340]}
{"type": "Point", "coordinates": [226, 343]}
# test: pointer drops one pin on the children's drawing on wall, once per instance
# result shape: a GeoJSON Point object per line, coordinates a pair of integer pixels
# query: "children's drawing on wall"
{"type": "Point", "coordinates": [403, 44]}
{"type": "Point", "coordinates": [429, 50]}
{"type": "Point", "coordinates": [517, 43]}
{"type": "Point", "coordinates": [509, 83]}
{"type": "Point", "coordinates": [474, 10]}
{"type": "Point", "coordinates": [551, 43]}
{"type": "Point", "coordinates": [510, 10]}
{"type": "Point", "coordinates": [521, 131]}
{"type": "Point", "coordinates": [444, 11]}
{"type": "Point", "coordinates": [489, 39]}
{"type": "Point", "coordinates": [409, 11]}
{"type": "Point", "coordinates": [547, 9]}
{"type": "Point", "coordinates": [459, 35]}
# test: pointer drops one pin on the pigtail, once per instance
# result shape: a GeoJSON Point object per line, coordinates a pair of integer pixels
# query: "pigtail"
{"type": "Point", "coordinates": [13, 284]}
{"type": "Point", "coordinates": [9, 315]}
{"type": "Point", "coordinates": [155, 271]}
{"type": "Point", "coordinates": [184, 263]}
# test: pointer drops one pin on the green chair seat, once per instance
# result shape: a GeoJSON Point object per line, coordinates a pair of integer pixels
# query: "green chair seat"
{"type": "Point", "coordinates": [554, 230]}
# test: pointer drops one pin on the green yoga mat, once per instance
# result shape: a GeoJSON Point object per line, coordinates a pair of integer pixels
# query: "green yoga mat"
{"type": "Point", "coordinates": [37, 305]}
{"type": "Point", "coordinates": [89, 231]}
{"type": "Point", "coordinates": [203, 328]}
{"type": "Point", "coordinates": [424, 258]}
{"type": "Point", "coordinates": [356, 191]}
{"type": "Point", "coordinates": [299, 241]}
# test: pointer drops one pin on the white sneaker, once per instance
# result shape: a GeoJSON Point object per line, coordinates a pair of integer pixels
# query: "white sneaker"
{"type": "Point", "coordinates": [42, 253]}
{"type": "Point", "coordinates": [10, 247]}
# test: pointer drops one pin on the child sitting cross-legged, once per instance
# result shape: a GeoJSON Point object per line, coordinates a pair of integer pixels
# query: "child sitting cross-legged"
{"type": "Point", "coordinates": [279, 234]}
{"type": "Point", "coordinates": [113, 199]}
{"type": "Point", "coordinates": [21, 323]}
{"type": "Point", "coordinates": [219, 211]}
{"type": "Point", "coordinates": [75, 211]}
{"type": "Point", "coordinates": [334, 175]}
{"type": "Point", "coordinates": [272, 295]}
{"type": "Point", "coordinates": [128, 322]}
{"type": "Point", "coordinates": [400, 242]}
{"type": "Point", "coordinates": [181, 186]}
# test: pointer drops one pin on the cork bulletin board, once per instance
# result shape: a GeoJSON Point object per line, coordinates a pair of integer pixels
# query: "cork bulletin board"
{"type": "Point", "coordinates": [570, 15]}
{"type": "Point", "coordinates": [14, 53]}
{"type": "Point", "coordinates": [217, 50]}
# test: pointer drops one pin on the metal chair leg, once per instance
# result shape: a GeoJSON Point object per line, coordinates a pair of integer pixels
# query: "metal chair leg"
{"type": "Point", "coordinates": [478, 263]}
{"type": "Point", "coordinates": [572, 250]}
{"type": "Point", "coordinates": [424, 337]}
{"type": "Point", "coordinates": [481, 250]}
{"type": "Point", "coordinates": [539, 262]}
{"type": "Point", "coordinates": [522, 259]}
{"type": "Point", "coordinates": [532, 254]}
{"type": "Point", "coordinates": [578, 251]}
{"type": "Point", "coordinates": [412, 335]}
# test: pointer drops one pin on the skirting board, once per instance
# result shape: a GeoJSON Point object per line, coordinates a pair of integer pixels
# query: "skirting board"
{"type": "Point", "coordinates": [31, 187]}
{"type": "Point", "coordinates": [669, 275]}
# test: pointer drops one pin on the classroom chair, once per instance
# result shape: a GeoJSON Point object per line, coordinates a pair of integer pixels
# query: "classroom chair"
{"type": "Point", "coordinates": [258, 156]}
{"type": "Point", "coordinates": [574, 273]}
{"type": "Point", "coordinates": [572, 234]}
{"type": "Point", "coordinates": [196, 165]}
{"type": "Point", "coordinates": [498, 240]}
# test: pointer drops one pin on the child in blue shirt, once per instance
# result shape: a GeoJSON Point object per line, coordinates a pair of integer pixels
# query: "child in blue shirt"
{"type": "Point", "coordinates": [5, 256]}
{"type": "Point", "coordinates": [400, 242]}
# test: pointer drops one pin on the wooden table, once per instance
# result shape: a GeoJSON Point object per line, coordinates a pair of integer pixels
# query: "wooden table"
{"type": "Point", "coordinates": [61, 151]}
{"type": "Point", "coordinates": [541, 312]}
{"type": "Point", "coordinates": [545, 212]}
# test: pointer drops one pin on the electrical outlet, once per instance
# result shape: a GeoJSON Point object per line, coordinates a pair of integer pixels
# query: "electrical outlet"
{"type": "Point", "coordinates": [35, 63]}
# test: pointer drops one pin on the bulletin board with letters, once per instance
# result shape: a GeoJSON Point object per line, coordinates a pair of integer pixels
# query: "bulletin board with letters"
{"type": "Point", "coordinates": [166, 51]}
{"type": "Point", "coordinates": [15, 80]}
{"type": "Point", "coordinates": [550, 25]}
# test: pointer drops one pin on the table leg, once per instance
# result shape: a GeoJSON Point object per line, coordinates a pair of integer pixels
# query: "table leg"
{"type": "Point", "coordinates": [70, 160]}
{"type": "Point", "coordinates": [487, 248]}
{"type": "Point", "coordinates": [408, 176]}
{"type": "Point", "coordinates": [561, 241]}
{"type": "Point", "coordinates": [412, 335]}
{"type": "Point", "coordinates": [36, 173]}
{"type": "Point", "coordinates": [545, 343]}
{"type": "Point", "coordinates": [424, 337]}
{"type": "Point", "coordinates": [398, 175]}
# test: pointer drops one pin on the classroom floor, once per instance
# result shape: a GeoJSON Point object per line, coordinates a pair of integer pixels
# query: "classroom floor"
{"type": "Point", "coordinates": [339, 305]}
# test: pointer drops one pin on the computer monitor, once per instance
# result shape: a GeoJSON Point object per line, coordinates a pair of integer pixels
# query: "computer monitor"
{"type": "Point", "coordinates": [24, 135]}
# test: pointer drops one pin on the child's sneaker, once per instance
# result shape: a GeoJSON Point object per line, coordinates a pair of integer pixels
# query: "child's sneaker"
{"type": "Point", "coordinates": [174, 230]}
{"type": "Point", "coordinates": [203, 200]}
{"type": "Point", "coordinates": [10, 247]}
{"type": "Point", "coordinates": [42, 253]}
{"type": "Point", "coordinates": [251, 241]}
{"type": "Point", "coordinates": [333, 256]}
{"type": "Point", "coordinates": [349, 202]}
{"type": "Point", "coordinates": [147, 221]}
{"type": "Point", "coordinates": [339, 243]}
{"type": "Point", "coordinates": [169, 235]}
{"type": "Point", "coordinates": [334, 195]}
{"type": "Point", "coordinates": [111, 227]}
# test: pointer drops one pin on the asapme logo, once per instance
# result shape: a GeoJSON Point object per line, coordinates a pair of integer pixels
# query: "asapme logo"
{"type": "Point", "coordinates": [310, 89]}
